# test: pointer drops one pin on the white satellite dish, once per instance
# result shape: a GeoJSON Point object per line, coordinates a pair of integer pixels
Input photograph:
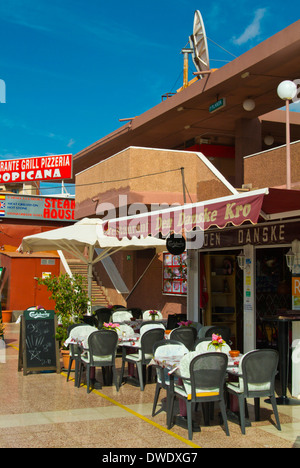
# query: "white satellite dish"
{"type": "Point", "coordinates": [198, 43]}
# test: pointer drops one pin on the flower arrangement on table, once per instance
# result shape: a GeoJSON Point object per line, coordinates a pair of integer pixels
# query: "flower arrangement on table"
{"type": "Point", "coordinates": [188, 323]}
{"type": "Point", "coordinates": [217, 342]}
{"type": "Point", "coordinates": [110, 326]}
{"type": "Point", "coordinates": [153, 314]}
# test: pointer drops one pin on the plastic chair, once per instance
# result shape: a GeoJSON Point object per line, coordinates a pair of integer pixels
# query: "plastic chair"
{"type": "Point", "coordinates": [174, 319]}
{"type": "Point", "coordinates": [150, 326]}
{"type": "Point", "coordinates": [121, 316]}
{"type": "Point", "coordinates": [75, 353]}
{"type": "Point", "coordinates": [118, 307]}
{"type": "Point", "coordinates": [185, 335]}
{"type": "Point", "coordinates": [147, 316]}
{"type": "Point", "coordinates": [102, 349]}
{"type": "Point", "coordinates": [161, 349]}
{"type": "Point", "coordinates": [136, 312]}
{"type": "Point", "coordinates": [103, 314]}
{"type": "Point", "coordinates": [257, 371]}
{"type": "Point", "coordinates": [126, 330]}
{"type": "Point", "coordinates": [144, 355]}
{"type": "Point", "coordinates": [203, 381]}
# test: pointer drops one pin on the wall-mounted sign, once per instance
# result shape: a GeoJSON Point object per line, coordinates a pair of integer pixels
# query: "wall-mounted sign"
{"type": "Point", "coordinates": [41, 168]}
{"type": "Point", "coordinates": [35, 207]}
{"type": "Point", "coordinates": [176, 244]}
{"type": "Point", "coordinates": [295, 293]}
{"type": "Point", "coordinates": [217, 105]}
{"type": "Point", "coordinates": [270, 234]}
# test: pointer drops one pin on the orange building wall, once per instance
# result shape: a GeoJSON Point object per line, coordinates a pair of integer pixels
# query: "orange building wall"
{"type": "Point", "coordinates": [23, 291]}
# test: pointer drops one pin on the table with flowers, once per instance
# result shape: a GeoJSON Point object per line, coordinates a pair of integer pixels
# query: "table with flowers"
{"type": "Point", "coordinates": [172, 365]}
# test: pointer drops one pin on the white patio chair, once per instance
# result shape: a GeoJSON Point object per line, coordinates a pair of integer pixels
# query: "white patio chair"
{"type": "Point", "coordinates": [121, 316]}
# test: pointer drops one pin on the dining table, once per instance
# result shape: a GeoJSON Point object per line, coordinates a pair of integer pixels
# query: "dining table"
{"type": "Point", "coordinates": [137, 323]}
{"type": "Point", "coordinates": [172, 365]}
{"type": "Point", "coordinates": [80, 335]}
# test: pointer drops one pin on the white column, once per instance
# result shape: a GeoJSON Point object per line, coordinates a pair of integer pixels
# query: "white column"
{"type": "Point", "coordinates": [296, 359]}
{"type": "Point", "coordinates": [193, 286]}
{"type": "Point", "coordinates": [249, 299]}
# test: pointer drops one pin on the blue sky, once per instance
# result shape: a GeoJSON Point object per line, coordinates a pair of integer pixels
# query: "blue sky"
{"type": "Point", "coordinates": [72, 69]}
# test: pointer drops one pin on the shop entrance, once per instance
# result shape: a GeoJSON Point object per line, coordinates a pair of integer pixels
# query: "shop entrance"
{"type": "Point", "coordinates": [273, 293]}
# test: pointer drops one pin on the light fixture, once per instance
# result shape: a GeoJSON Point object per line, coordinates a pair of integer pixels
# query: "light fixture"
{"type": "Point", "coordinates": [249, 105]}
{"type": "Point", "coordinates": [290, 259]}
{"type": "Point", "coordinates": [241, 260]}
{"type": "Point", "coordinates": [293, 255]}
{"type": "Point", "coordinates": [269, 140]}
{"type": "Point", "coordinates": [287, 90]}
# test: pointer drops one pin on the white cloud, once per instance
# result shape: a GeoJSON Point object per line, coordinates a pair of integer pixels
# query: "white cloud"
{"type": "Point", "coordinates": [253, 30]}
{"type": "Point", "coordinates": [71, 143]}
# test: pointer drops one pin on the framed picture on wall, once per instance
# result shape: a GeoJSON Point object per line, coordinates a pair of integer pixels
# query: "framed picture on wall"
{"type": "Point", "coordinates": [175, 274]}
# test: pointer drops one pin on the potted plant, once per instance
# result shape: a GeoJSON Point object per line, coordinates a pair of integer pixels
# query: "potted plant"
{"type": "Point", "coordinates": [2, 329]}
{"type": "Point", "coordinates": [71, 302]}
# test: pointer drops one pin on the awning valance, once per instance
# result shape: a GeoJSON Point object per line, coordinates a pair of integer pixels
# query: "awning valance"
{"type": "Point", "coordinates": [233, 209]}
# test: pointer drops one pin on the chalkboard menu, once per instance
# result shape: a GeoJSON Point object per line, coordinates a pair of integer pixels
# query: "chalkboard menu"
{"type": "Point", "coordinates": [38, 346]}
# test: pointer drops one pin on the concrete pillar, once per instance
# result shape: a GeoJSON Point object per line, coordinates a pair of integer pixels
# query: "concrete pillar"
{"type": "Point", "coordinates": [247, 141]}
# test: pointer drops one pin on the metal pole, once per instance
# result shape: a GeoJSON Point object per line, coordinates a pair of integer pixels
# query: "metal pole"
{"type": "Point", "coordinates": [288, 146]}
{"type": "Point", "coordinates": [183, 184]}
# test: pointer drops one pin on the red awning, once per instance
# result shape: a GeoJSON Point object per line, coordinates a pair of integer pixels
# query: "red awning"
{"type": "Point", "coordinates": [281, 201]}
{"type": "Point", "coordinates": [234, 210]}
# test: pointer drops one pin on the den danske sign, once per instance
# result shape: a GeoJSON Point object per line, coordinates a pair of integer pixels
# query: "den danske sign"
{"type": "Point", "coordinates": [272, 234]}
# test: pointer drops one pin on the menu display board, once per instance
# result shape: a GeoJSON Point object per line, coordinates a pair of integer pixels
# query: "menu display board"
{"type": "Point", "coordinates": [38, 346]}
{"type": "Point", "coordinates": [175, 274]}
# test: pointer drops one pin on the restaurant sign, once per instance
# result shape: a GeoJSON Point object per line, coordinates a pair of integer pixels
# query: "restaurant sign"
{"type": "Point", "coordinates": [41, 168]}
{"type": "Point", "coordinates": [37, 208]}
{"type": "Point", "coordinates": [186, 218]}
{"type": "Point", "coordinates": [264, 234]}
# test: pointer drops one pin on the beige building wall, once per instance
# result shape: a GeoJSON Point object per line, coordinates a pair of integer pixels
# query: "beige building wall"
{"type": "Point", "coordinates": [148, 176]}
{"type": "Point", "coordinates": [268, 168]}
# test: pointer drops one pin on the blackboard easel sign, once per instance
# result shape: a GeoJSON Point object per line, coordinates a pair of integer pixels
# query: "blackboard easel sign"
{"type": "Point", "coordinates": [38, 350]}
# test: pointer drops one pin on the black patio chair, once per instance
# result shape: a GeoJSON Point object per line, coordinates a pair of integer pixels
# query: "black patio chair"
{"type": "Point", "coordinates": [144, 355]}
{"type": "Point", "coordinates": [162, 377]}
{"type": "Point", "coordinates": [103, 314]}
{"type": "Point", "coordinates": [75, 352]}
{"type": "Point", "coordinates": [137, 313]}
{"type": "Point", "coordinates": [203, 384]}
{"type": "Point", "coordinates": [102, 349]}
{"type": "Point", "coordinates": [174, 319]}
{"type": "Point", "coordinates": [186, 335]}
{"type": "Point", "coordinates": [257, 371]}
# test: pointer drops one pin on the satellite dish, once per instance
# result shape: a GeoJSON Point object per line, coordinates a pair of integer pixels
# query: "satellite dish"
{"type": "Point", "coordinates": [198, 43]}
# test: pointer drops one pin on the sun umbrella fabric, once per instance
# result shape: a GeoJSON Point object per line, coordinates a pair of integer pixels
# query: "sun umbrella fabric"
{"type": "Point", "coordinates": [85, 236]}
